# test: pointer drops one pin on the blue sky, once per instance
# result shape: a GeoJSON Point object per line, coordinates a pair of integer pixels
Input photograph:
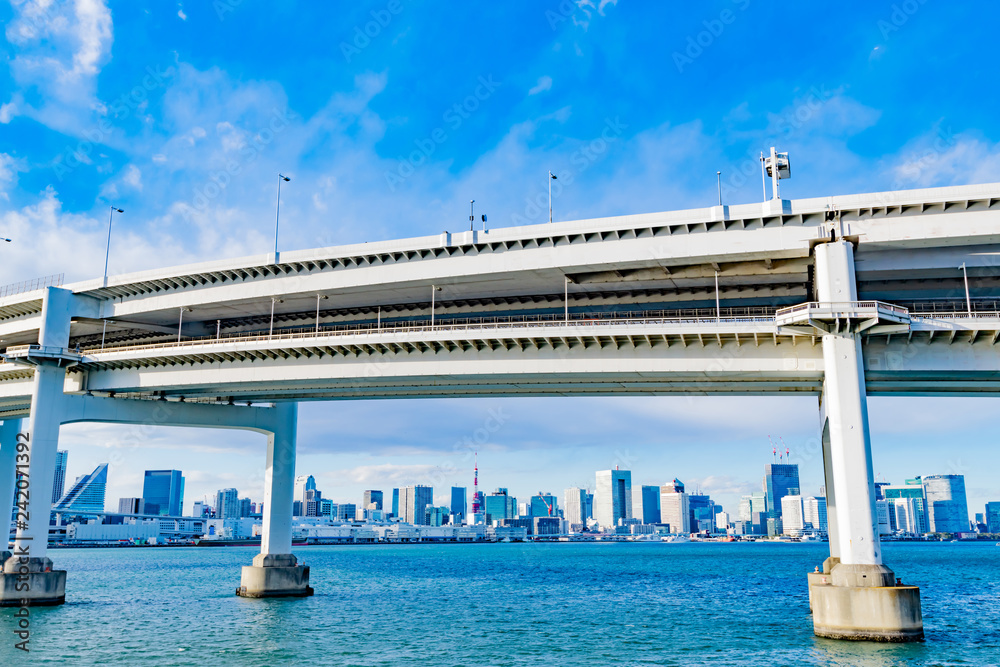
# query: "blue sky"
{"type": "Point", "coordinates": [183, 113]}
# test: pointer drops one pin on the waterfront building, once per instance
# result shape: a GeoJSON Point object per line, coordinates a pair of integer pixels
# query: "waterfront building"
{"type": "Point", "coordinates": [814, 513]}
{"type": "Point", "coordinates": [722, 522]}
{"type": "Point", "coordinates": [199, 509]}
{"type": "Point", "coordinates": [163, 492]}
{"type": "Point", "coordinates": [647, 509]}
{"type": "Point", "coordinates": [304, 483]}
{"type": "Point", "coordinates": [792, 515]}
{"type": "Point", "coordinates": [86, 495]}
{"type": "Point", "coordinates": [395, 502]}
{"type": "Point", "coordinates": [413, 502]}
{"type": "Point", "coordinates": [780, 480]}
{"type": "Point", "coordinates": [130, 506]}
{"type": "Point", "coordinates": [227, 504]}
{"type": "Point", "coordinates": [347, 512]}
{"type": "Point", "coordinates": [947, 507]}
{"type": "Point", "coordinates": [437, 516]}
{"type": "Point", "coordinates": [372, 500]}
{"type": "Point", "coordinates": [612, 497]}
{"type": "Point", "coordinates": [59, 481]}
{"type": "Point", "coordinates": [992, 517]}
{"type": "Point", "coordinates": [674, 508]}
{"type": "Point", "coordinates": [575, 504]}
{"type": "Point", "coordinates": [543, 504]}
{"type": "Point", "coordinates": [701, 511]}
{"type": "Point", "coordinates": [459, 508]}
{"type": "Point", "coordinates": [905, 516]}
{"type": "Point", "coordinates": [590, 505]}
{"type": "Point", "coordinates": [498, 506]}
{"type": "Point", "coordinates": [913, 489]}
{"type": "Point", "coordinates": [246, 509]}
{"type": "Point", "coordinates": [546, 525]}
{"type": "Point", "coordinates": [882, 517]}
{"type": "Point", "coordinates": [297, 508]}
{"type": "Point", "coordinates": [326, 508]}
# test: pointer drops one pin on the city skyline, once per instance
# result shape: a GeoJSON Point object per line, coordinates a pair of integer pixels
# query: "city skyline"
{"type": "Point", "coordinates": [526, 469]}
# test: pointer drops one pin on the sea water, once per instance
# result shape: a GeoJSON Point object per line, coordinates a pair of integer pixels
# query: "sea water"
{"type": "Point", "coordinates": [499, 604]}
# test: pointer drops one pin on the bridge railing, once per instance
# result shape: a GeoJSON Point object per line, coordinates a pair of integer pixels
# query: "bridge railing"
{"type": "Point", "coordinates": [503, 322]}
{"type": "Point", "coordinates": [31, 285]}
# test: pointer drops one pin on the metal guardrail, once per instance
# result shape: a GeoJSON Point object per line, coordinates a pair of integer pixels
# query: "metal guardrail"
{"type": "Point", "coordinates": [31, 285]}
{"type": "Point", "coordinates": [501, 323]}
{"type": "Point", "coordinates": [842, 305]}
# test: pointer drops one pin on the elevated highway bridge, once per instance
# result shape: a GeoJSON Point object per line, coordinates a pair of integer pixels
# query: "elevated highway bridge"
{"type": "Point", "coordinates": [837, 297]}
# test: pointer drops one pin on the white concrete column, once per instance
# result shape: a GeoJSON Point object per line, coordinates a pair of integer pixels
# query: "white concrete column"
{"type": "Point", "coordinates": [831, 494]}
{"type": "Point", "coordinates": [8, 459]}
{"type": "Point", "coordinates": [43, 441]}
{"type": "Point", "coordinates": [845, 405]}
{"type": "Point", "coordinates": [279, 482]}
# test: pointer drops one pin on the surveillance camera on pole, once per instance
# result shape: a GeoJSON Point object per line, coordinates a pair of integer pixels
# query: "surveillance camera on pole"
{"type": "Point", "coordinates": [777, 167]}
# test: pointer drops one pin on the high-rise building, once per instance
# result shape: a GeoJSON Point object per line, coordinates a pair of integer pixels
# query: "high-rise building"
{"type": "Point", "coordinates": [647, 509]}
{"type": "Point", "coordinates": [370, 498]}
{"type": "Point", "coordinates": [163, 492]}
{"type": "Point", "coordinates": [792, 515]}
{"type": "Point", "coordinates": [590, 506]}
{"type": "Point", "coordinates": [814, 513]}
{"type": "Point", "coordinates": [701, 509]}
{"type": "Point", "coordinates": [499, 505]}
{"type": "Point", "coordinates": [459, 508]}
{"type": "Point", "coordinates": [575, 506]}
{"type": "Point", "coordinates": [86, 495]}
{"type": "Point", "coordinates": [395, 502]}
{"type": "Point", "coordinates": [347, 512]}
{"type": "Point", "coordinates": [613, 497]}
{"type": "Point", "coordinates": [130, 506]}
{"type": "Point", "coordinates": [246, 507]}
{"type": "Point", "coordinates": [227, 504]}
{"type": "Point", "coordinates": [543, 504]}
{"type": "Point", "coordinates": [904, 515]}
{"type": "Point", "coordinates": [780, 480]}
{"type": "Point", "coordinates": [59, 481]}
{"type": "Point", "coordinates": [413, 502]}
{"type": "Point", "coordinates": [947, 508]}
{"type": "Point", "coordinates": [199, 509]}
{"type": "Point", "coordinates": [304, 483]}
{"type": "Point", "coordinates": [913, 489]}
{"type": "Point", "coordinates": [992, 517]}
{"type": "Point", "coordinates": [674, 508]}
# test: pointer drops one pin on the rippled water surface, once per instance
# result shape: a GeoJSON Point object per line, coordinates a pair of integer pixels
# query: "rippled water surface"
{"type": "Point", "coordinates": [499, 604]}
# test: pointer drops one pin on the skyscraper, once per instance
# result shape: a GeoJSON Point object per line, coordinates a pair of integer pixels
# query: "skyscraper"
{"type": "Point", "coordinates": [395, 502]}
{"type": "Point", "coordinates": [163, 492]}
{"type": "Point", "coordinates": [992, 517]}
{"type": "Point", "coordinates": [674, 508]}
{"type": "Point", "coordinates": [372, 498]}
{"type": "Point", "coordinates": [544, 504]}
{"type": "Point", "coordinates": [459, 508]}
{"type": "Point", "coordinates": [648, 508]}
{"type": "Point", "coordinates": [575, 506]}
{"type": "Point", "coordinates": [227, 504]}
{"type": "Point", "coordinates": [304, 483]}
{"type": "Point", "coordinates": [780, 480]}
{"type": "Point", "coordinates": [59, 481]}
{"type": "Point", "coordinates": [86, 494]}
{"type": "Point", "coordinates": [947, 508]}
{"type": "Point", "coordinates": [913, 489]}
{"type": "Point", "coordinates": [130, 506]}
{"type": "Point", "coordinates": [792, 515]}
{"type": "Point", "coordinates": [814, 513]}
{"type": "Point", "coordinates": [613, 497]}
{"type": "Point", "coordinates": [413, 502]}
{"type": "Point", "coordinates": [500, 505]}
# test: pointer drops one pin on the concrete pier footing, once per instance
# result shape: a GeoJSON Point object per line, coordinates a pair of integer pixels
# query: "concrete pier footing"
{"type": "Point", "coordinates": [862, 602]}
{"type": "Point", "coordinates": [274, 575]}
{"type": "Point", "coordinates": [31, 582]}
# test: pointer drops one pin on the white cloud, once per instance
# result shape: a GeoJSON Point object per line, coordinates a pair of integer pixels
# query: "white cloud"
{"type": "Point", "coordinates": [180, 13]}
{"type": "Point", "coordinates": [544, 83]}
{"type": "Point", "coordinates": [941, 158]}
{"type": "Point", "coordinates": [133, 177]}
{"type": "Point", "coordinates": [386, 472]}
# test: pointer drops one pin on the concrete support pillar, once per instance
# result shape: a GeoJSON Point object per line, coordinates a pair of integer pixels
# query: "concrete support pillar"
{"type": "Point", "coordinates": [855, 596]}
{"type": "Point", "coordinates": [275, 571]}
{"type": "Point", "coordinates": [8, 460]}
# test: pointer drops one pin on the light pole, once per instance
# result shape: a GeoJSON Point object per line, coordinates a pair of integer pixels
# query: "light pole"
{"type": "Point", "coordinates": [552, 177]}
{"type": "Point", "coordinates": [566, 299]}
{"type": "Point", "coordinates": [277, 213]}
{"type": "Point", "coordinates": [180, 322]}
{"type": "Point", "coordinates": [968, 301]}
{"type": "Point", "coordinates": [718, 311]}
{"type": "Point", "coordinates": [318, 297]}
{"type": "Point", "coordinates": [472, 214]}
{"type": "Point", "coordinates": [718, 176]}
{"type": "Point", "coordinates": [107, 252]}
{"type": "Point", "coordinates": [274, 300]}
{"type": "Point", "coordinates": [434, 288]}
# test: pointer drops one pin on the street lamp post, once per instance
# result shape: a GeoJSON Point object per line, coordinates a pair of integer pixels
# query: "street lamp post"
{"type": "Point", "coordinates": [718, 176]}
{"type": "Point", "coordinates": [718, 311]}
{"type": "Point", "coordinates": [434, 288]}
{"type": "Point", "coordinates": [270, 329]}
{"type": "Point", "coordinates": [566, 300]}
{"type": "Point", "coordinates": [318, 297]}
{"type": "Point", "coordinates": [552, 177]}
{"type": "Point", "coordinates": [107, 252]}
{"type": "Point", "coordinates": [277, 213]}
{"type": "Point", "coordinates": [472, 214]}
{"type": "Point", "coordinates": [968, 301]}
{"type": "Point", "coordinates": [180, 322]}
